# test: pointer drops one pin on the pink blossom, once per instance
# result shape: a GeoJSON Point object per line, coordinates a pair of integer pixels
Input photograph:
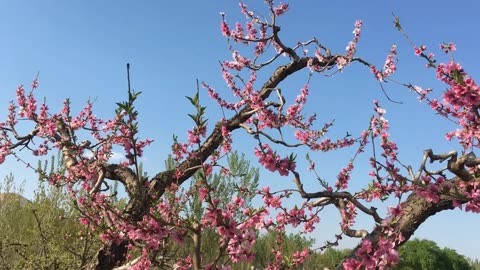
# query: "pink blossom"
{"type": "Point", "coordinates": [309, 226]}
{"type": "Point", "coordinates": [266, 157]}
{"type": "Point", "coordinates": [35, 83]}
{"type": "Point", "coordinates": [390, 66]}
{"type": "Point", "coordinates": [300, 256]}
{"type": "Point", "coordinates": [280, 9]}
{"type": "Point", "coordinates": [448, 47]}
{"type": "Point", "coordinates": [84, 221]}
{"type": "Point", "coordinates": [344, 176]}
{"type": "Point", "coordinates": [224, 27]}
{"type": "Point", "coordinates": [395, 211]}
{"type": "Point", "coordinates": [203, 193]}
{"type": "Point", "coordinates": [341, 62]}
{"type": "Point", "coordinates": [351, 264]}
{"type": "Point", "coordinates": [419, 50]}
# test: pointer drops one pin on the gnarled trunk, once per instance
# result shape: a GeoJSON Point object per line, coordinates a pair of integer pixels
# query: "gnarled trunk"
{"type": "Point", "coordinates": [109, 256]}
{"type": "Point", "coordinates": [416, 210]}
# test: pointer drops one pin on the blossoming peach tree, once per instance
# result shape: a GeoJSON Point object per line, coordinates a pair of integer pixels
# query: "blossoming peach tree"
{"type": "Point", "coordinates": [137, 235]}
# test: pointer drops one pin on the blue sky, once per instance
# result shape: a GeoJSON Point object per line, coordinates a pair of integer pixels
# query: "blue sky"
{"type": "Point", "coordinates": [81, 48]}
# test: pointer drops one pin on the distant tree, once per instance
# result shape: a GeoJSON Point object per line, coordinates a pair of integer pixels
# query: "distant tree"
{"type": "Point", "coordinates": [426, 255]}
{"type": "Point", "coordinates": [43, 233]}
{"type": "Point", "coordinates": [328, 259]}
{"type": "Point", "coordinates": [474, 264]}
{"type": "Point", "coordinates": [457, 261]}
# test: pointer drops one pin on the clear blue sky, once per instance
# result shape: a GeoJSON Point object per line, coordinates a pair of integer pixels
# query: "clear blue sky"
{"type": "Point", "coordinates": [81, 48]}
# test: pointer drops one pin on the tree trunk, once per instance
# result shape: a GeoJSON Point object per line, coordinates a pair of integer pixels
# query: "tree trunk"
{"type": "Point", "coordinates": [109, 256]}
{"type": "Point", "coordinates": [415, 211]}
{"type": "Point", "coordinates": [113, 255]}
{"type": "Point", "coordinates": [197, 245]}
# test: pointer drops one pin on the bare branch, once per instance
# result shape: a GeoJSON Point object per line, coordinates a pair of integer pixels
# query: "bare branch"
{"type": "Point", "coordinates": [372, 211]}
{"type": "Point", "coordinates": [456, 164]}
{"type": "Point", "coordinates": [101, 176]}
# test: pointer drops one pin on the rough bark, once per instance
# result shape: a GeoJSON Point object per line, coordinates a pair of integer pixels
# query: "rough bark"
{"type": "Point", "coordinates": [197, 244]}
{"type": "Point", "coordinates": [109, 256]}
{"type": "Point", "coordinates": [416, 210]}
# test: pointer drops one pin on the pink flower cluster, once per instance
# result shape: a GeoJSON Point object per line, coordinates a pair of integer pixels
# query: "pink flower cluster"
{"type": "Point", "coordinates": [27, 104]}
{"type": "Point", "coordinates": [195, 135]}
{"type": "Point", "coordinates": [448, 47]}
{"type": "Point", "coordinates": [227, 138]}
{"type": "Point", "coordinates": [344, 176]}
{"type": "Point", "coordinates": [312, 139]}
{"type": "Point", "coordinates": [348, 214]}
{"type": "Point", "coordinates": [238, 238]}
{"type": "Point", "coordinates": [271, 200]}
{"type": "Point", "coordinates": [293, 111]}
{"type": "Point", "coordinates": [280, 9]}
{"type": "Point", "coordinates": [460, 101]}
{"type": "Point", "coordinates": [256, 30]}
{"type": "Point", "coordinates": [382, 257]}
{"type": "Point", "coordinates": [380, 126]}
{"type": "Point", "coordinates": [272, 161]}
{"type": "Point", "coordinates": [238, 63]}
{"type": "Point", "coordinates": [215, 96]}
{"type": "Point", "coordinates": [389, 67]}
{"type": "Point", "coordinates": [351, 48]}
{"type": "Point", "coordinates": [352, 45]}
{"type": "Point", "coordinates": [419, 50]}
{"type": "Point", "coordinates": [300, 256]}
{"type": "Point", "coordinates": [429, 190]}
{"type": "Point", "coordinates": [463, 91]}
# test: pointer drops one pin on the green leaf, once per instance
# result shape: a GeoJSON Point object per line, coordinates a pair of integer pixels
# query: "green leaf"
{"type": "Point", "coordinates": [194, 118]}
{"type": "Point", "coordinates": [458, 77]}
{"type": "Point", "coordinates": [191, 100]}
{"type": "Point", "coordinates": [195, 99]}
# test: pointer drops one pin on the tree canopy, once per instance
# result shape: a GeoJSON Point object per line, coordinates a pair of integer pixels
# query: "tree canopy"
{"type": "Point", "coordinates": [425, 254]}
